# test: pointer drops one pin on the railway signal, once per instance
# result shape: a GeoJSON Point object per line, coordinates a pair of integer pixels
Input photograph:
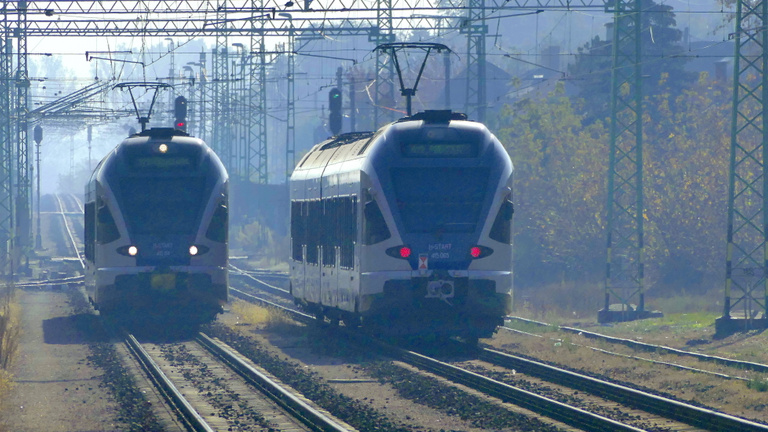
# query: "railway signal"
{"type": "Point", "coordinates": [334, 110]}
{"type": "Point", "coordinates": [180, 112]}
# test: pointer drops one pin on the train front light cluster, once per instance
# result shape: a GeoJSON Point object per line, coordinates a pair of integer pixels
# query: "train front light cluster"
{"type": "Point", "coordinates": [130, 251]}
{"type": "Point", "coordinates": [195, 250]}
{"type": "Point", "coordinates": [402, 252]}
{"type": "Point", "coordinates": [478, 251]}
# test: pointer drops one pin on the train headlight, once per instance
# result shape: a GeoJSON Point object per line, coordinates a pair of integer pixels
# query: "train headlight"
{"type": "Point", "coordinates": [196, 250]}
{"type": "Point", "coordinates": [162, 148]}
{"type": "Point", "coordinates": [476, 252]}
{"type": "Point", "coordinates": [402, 252]}
{"type": "Point", "coordinates": [131, 250]}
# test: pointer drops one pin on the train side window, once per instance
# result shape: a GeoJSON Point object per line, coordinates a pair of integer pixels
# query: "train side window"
{"type": "Point", "coordinates": [106, 228]}
{"type": "Point", "coordinates": [217, 230]}
{"type": "Point", "coordinates": [89, 229]}
{"type": "Point", "coordinates": [348, 232]}
{"type": "Point", "coordinates": [297, 231]}
{"type": "Point", "coordinates": [329, 238]}
{"type": "Point", "coordinates": [375, 228]}
{"type": "Point", "coordinates": [501, 231]}
{"type": "Point", "coordinates": [314, 230]}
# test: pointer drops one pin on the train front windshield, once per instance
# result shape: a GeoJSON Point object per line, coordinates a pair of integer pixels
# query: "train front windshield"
{"type": "Point", "coordinates": [162, 189]}
{"type": "Point", "coordinates": [432, 200]}
{"type": "Point", "coordinates": [162, 205]}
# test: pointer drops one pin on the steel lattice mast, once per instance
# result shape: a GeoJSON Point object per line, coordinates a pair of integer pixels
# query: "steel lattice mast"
{"type": "Point", "coordinates": [23, 216]}
{"type": "Point", "coordinates": [6, 142]}
{"type": "Point", "coordinates": [385, 72]}
{"type": "Point", "coordinates": [746, 285]}
{"type": "Point", "coordinates": [257, 98]}
{"type": "Point", "coordinates": [377, 19]}
{"type": "Point", "coordinates": [290, 119]}
{"type": "Point", "coordinates": [219, 86]}
{"type": "Point", "coordinates": [476, 70]}
{"type": "Point", "coordinates": [624, 264]}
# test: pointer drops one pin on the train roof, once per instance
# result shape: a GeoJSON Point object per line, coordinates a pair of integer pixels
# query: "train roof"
{"type": "Point", "coordinates": [154, 135]}
{"type": "Point", "coordinates": [356, 144]}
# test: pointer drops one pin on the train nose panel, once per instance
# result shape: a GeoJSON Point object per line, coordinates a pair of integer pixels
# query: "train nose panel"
{"type": "Point", "coordinates": [165, 251]}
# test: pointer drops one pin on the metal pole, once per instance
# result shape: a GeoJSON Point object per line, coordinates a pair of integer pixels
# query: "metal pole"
{"type": "Point", "coordinates": [38, 236]}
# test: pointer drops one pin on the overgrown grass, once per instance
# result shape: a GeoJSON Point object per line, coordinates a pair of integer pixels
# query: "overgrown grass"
{"type": "Point", "coordinates": [568, 302]}
{"type": "Point", "coordinates": [559, 303]}
{"type": "Point", "coordinates": [760, 385]}
{"type": "Point", "coordinates": [260, 316]}
{"type": "Point", "coordinates": [10, 328]}
{"type": "Point", "coordinates": [10, 332]}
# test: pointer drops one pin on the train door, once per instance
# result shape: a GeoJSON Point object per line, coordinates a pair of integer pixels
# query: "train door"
{"type": "Point", "coordinates": [329, 276]}
{"type": "Point", "coordinates": [314, 236]}
{"type": "Point", "coordinates": [346, 234]}
{"type": "Point", "coordinates": [299, 213]}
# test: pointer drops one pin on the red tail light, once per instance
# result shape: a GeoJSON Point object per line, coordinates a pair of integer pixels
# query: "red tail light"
{"type": "Point", "coordinates": [479, 252]}
{"type": "Point", "coordinates": [402, 252]}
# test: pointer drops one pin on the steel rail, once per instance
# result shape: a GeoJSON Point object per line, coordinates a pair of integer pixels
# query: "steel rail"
{"type": "Point", "coordinates": [69, 231]}
{"type": "Point", "coordinates": [311, 417]}
{"type": "Point", "coordinates": [669, 408]}
{"type": "Point", "coordinates": [631, 357]}
{"type": "Point", "coordinates": [274, 289]}
{"type": "Point", "coordinates": [297, 315]}
{"type": "Point", "coordinates": [553, 409]}
{"type": "Point", "coordinates": [193, 420]}
{"type": "Point", "coordinates": [550, 408]}
{"type": "Point", "coordinates": [739, 364]}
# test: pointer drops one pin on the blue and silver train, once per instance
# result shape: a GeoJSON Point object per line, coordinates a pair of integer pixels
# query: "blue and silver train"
{"type": "Point", "coordinates": [407, 230]}
{"type": "Point", "coordinates": [156, 227]}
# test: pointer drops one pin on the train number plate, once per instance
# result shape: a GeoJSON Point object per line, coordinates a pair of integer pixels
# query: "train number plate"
{"type": "Point", "coordinates": [163, 281]}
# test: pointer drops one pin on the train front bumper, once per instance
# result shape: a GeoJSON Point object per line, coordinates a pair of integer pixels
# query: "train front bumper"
{"type": "Point", "coordinates": [469, 292]}
{"type": "Point", "coordinates": [437, 302]}
{"type": "Point", "coordinates": [144, 286]}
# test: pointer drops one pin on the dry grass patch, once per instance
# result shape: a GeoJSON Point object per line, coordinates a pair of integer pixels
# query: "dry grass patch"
{"type": "Point", "coordinates": [259, 316]}
{"type": "Point", "coordinates": [10, 332]}
{"type": "Point", "coordinates": [10, 328]}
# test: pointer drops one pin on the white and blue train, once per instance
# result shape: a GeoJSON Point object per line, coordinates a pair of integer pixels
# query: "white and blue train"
{"type": "Point", "coordinates": [156, 227]}
{"type": "Point", "coordinates": [407, 230]}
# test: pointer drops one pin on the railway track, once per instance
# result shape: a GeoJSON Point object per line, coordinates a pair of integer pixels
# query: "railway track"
{"type": "Point", "coordinates": [214, 388]}
{"type": "Point", "coordinates": [647, 410]}
{"type": "Point", "coordinates": [258, 277]}
{"type": "Point", "coordinates": [206, 383]}
{"type": "Point", "coordinates": [661, 409]}
{"type": "Point", "coordinates": [647, 347]}
{"type": "Point", "coordinates": [66, 212]}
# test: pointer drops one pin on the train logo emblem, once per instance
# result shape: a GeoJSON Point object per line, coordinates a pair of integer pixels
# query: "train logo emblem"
{"type": "Point", "coordinates": [423, 261]}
